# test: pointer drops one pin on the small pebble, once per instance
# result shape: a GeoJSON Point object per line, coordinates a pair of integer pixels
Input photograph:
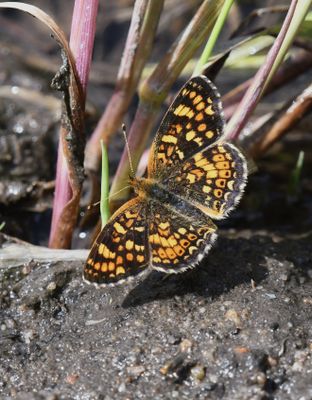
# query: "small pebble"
{"type": "Point", "coordinates": [241, 350]}
{"type": "Point", "coordinates": [198, 372]}
{"type": "Point", "coordinates": [171, 339]}
{"type": "Point", "coordinates": [185, 345]}
{"type": "Point", "coordinates": [233, 316]}
{"type": "Point", "coordinates": [52, 397]}
{"type": "Point", "coordinates": [287, 299]}
{"type": "Point", "coordinates": [71, 379]}
{"type": "Point", "coordinates": [51, 287]}
{"type": "Point", "coordinates": [122, 388]}
{"type": "Point", "coordinates": [271, 296]}
{"type": "Point", "coordinates": [272, 361]}
{"type": "Point", "coordinates": [26, 269]}
{"type": "Point", "coordinates": [261, 378]}
{"type": "Point", "coordinates": [10, 323]}
{"type": "Point", "coordinates": [284, 277]}
{"type": "Point", "coordinates": [28, 335]}
{"type": "Point", "coordinates": [165, 369]}
{"type": "Point", "coordinates": [136, 370]}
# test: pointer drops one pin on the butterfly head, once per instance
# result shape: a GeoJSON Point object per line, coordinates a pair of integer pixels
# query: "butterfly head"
{"type": "Point", "coordinates": [139, 185]}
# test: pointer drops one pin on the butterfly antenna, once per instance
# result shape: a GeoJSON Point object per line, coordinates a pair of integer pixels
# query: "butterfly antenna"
{"type": "Point", "coordinates": [92, 205]}
{"type": "Point", "coordinates": [118, 191]}
{"type": "Point", "coordinates": [106, 198]}
{"type": "Point", "coordinates": [128, 150]}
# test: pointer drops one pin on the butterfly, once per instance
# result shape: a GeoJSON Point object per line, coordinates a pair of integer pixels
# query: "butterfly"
{"type": "Point", "coordinates": [193, 177]}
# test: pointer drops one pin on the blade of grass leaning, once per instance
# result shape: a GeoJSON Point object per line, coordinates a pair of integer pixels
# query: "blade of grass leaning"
{"type": "Point", "coordinates": [2, 225]}
{"type": "Point", "coordinates": [233, 51]}
{"type": "Point", "coordinates": [295, 15]}
{"type": "Point", "coordinates": [213, 37]}
{"type": "Point", "coordinates": [298, 18]}
{"type": "Point", "coordinates": [299, 63]}
{"type": "Point", "coordinates": [155, 88]}
{"type": "Point", "coordinates": [104, 203]}
{"type": "Point", "coordinates": [306, 27]}
{"type": "Point", "coordinates": [258, 18]}
{"type": "Point", "coordinates": [293, 187]}
{"type": "Point", "coordinates": [231, 48]}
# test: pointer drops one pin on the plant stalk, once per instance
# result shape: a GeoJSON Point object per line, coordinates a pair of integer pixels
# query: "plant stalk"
{"type": "Point", "coordinates": [264, 74]}
{"type": "Point", "coordinates": [154, 90]}
{"type": "Point", "coordinates": [81, 44]}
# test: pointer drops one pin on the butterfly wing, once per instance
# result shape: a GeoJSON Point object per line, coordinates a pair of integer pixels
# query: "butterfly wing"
{"type": "Point", "coordinates": [121, 249]}
{"type": "Point", "coordinates": [212, 180]}
{"type": "Point", "coordinates": [178, 242]}
{"type": "Point", "coordinates": [193, 122]}
{"type": "Point", "coordinates": [188, 157]}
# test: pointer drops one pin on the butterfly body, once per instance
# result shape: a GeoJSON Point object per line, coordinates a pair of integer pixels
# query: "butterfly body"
{"type": "Point", "coordinates": [151, 191]}
{"type": "Point", "coordinates": [194, 176]}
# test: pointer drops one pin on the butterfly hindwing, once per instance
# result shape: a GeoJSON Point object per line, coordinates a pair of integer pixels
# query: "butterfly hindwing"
{"type": "Point", "coordinates": [177, 242]}
{"type": "Point", "coordinates": [193, 122]}
{"type": "Point", "coordinates": [213, 180]}
{"type": "Point", "coordinates": [120, 249]}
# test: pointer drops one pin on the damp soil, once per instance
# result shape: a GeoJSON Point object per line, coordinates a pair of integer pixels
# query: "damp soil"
{"type": "Point", "coordinates": [236, 327]}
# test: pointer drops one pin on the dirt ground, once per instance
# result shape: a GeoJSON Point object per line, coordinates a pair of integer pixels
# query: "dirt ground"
{"type": "Point", "coordinates": [237, 327]}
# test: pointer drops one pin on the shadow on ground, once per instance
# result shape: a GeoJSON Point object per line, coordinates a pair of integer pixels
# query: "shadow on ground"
{"type": "Point", "coordinates": [218, 273]}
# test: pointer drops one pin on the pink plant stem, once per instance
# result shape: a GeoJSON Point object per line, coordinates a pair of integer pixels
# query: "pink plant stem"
{"type": "Point", "coordinates": [253, 94]}
{"type": "Point", "coordinates": [81, 43]}
{"type": "Point", "coordinates": [82, 37]}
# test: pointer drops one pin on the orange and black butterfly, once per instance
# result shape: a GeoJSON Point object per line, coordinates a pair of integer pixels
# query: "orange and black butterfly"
{"type": "Point", "coordinates": [194, 176]}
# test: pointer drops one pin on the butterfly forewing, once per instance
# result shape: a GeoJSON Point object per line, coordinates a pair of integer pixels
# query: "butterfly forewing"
{"type": "Point", "coordinates": [120, 249]}
{"type": "Point", "coordinates": [193, 122]}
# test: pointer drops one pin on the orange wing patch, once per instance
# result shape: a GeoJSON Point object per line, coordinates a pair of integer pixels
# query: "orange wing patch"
{"type": "Point", "coordinates": [212, 180]}
{"type": "Point", "coordinates": [176, 242]}
{"type": "Point", "coordinates": [193, 122]}
{"type": "Point", "coordinates": [120, 249]}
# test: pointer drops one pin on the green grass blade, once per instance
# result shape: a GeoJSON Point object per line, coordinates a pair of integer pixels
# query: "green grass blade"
{"type": "Point", "coordinates": [295, 176]}
{"type": "Point", "coordinates": [300, 14]}
{"type": "Point", "coordinates": [213, 36]}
